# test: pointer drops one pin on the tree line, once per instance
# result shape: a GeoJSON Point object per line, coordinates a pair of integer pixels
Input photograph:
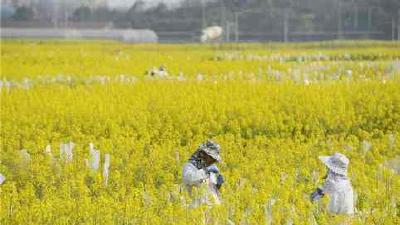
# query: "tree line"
{"type": "Point", "coordinates": [249, 17]}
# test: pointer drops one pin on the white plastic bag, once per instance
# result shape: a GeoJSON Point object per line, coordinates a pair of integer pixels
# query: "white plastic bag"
{"type": "Point", "coordinates": [268, 210]}
{"type": "Point", "coordinates": [106, 168]}
{"type": "Point", "coordinates": [66, 151]}
{"type": "Point", "coordinates": [2, 178]}
{"type": "Point", "coordinates": [94, 161]}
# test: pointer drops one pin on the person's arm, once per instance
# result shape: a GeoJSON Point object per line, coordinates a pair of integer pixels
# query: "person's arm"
{"type": "Point", "coordinates": [213, 169]}
{"type": "Point", "coordinates": [328, 187]}
{"type": "Point", "coordinates": [317, 194]}
{"type": "Point", "coordinates": [193, 176]}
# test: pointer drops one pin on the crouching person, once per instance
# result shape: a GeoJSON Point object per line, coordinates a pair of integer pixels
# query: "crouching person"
{"type": "Point", "coordinates": [201, 177]}
{"type": "Point", "coordinates": [337, 185]}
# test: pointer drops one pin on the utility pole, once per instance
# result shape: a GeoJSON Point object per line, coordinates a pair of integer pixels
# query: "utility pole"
{"type": "Point", "coordinates": [339, 25]}
{"type": "Point", "coordinates": [203, 15]}
{"type": "Point", "coordinates": [236, 26]}
{"type": "Point", "coordinates": [285, 25]}
{"type": "Point", "coordinates": [223, 22]}
{"type": "Point", "coordinates": [54, 14]}
{"type": "Point", "coordinates": [369, 18]}
{"type": "Point", "coordinates": [393, 28]}
{"type": "Point", "coordinates": [64, 13]}
{"type": "Point", "coordinates": [369, 21]}
{"type": "Point", "coordinates": [398, 24]}
{"type": "Point", "coordinates": [221, 13]}
{"type": "Point", "coordinates": [356, 17]}
{"type": "Point", "coordinates": [228, 31]}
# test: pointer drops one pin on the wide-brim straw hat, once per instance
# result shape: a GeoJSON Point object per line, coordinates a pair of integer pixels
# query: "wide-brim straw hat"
{"type": "Point", "coordinates": [212, 149]}
{"type": "Point", "coordinates": [337, 163]}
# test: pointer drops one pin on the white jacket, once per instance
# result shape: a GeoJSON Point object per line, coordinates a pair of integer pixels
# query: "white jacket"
{"type": "Point", "coordinates": [340, 194]}
{"type": "Point", "coordinates": [199, 186]}
{"type": "Point", "coordinates": [193, 176]}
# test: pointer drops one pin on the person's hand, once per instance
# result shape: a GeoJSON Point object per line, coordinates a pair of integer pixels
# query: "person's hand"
{"type": "Point", "coordinates": [212, 169]}
{"type": "Point", "coordinates": [316, 195]}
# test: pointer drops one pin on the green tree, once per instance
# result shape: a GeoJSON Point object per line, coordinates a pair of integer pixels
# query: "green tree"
{"type": "Point", "coordinates": [24, 13]}
{"type": "Point", "coordinates": [82, 13]}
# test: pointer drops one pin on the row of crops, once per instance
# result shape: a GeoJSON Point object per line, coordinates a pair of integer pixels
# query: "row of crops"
{"type": "Point", "coordinates": [71, 110]}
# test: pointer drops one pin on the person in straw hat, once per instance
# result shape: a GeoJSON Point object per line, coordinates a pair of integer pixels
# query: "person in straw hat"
{"type": "Point", "coordinates": [201, 177]}
{"type": "Point", "coordinates": [337, 185]}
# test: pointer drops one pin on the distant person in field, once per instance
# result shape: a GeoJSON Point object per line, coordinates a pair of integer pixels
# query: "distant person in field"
{"type": "Point", "coordinates": [201, 177]}
{"type": "Point", "coordinates": [337, 185]}
{"type": "Point", "coordinates": [160, 72]}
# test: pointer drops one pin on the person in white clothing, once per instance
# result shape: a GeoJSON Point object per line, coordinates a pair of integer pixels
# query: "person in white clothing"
{"type": "Point", "coordinates": [201, 177]}
{"type": "Point", "coordinates": [337, 185]}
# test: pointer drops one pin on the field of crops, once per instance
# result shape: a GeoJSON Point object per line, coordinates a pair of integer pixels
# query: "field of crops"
{"type": "Point", "coordinates": [273, 108]}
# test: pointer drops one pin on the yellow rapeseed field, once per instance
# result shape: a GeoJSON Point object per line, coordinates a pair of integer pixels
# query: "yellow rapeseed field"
{"type": "Point", "coordinates": [273, 108]}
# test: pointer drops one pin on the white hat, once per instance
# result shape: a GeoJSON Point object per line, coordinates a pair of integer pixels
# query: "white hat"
{"type": "Point", "coordinates": [338, 163]}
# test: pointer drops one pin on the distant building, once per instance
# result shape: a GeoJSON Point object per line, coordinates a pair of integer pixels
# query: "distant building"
{"type": "Point", "coordinates": [94, 4]}
{"type": "Point", "coordinates": [17, 3]}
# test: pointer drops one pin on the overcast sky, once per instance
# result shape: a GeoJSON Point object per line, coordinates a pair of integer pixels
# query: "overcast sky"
{"type": "Point", "coordinates": [128, 3]}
